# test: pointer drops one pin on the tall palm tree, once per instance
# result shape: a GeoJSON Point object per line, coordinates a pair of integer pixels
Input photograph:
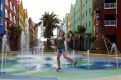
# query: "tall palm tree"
{"type": "Point", "coordinates": [50, 21]}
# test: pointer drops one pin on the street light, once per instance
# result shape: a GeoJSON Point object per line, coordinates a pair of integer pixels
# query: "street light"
{"type": "Point", "coordinates": [100, 19]}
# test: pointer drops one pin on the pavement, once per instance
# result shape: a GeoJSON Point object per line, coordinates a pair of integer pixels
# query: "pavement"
{"type": "Point", "coordinates": [67, 74]}
{"type": "Point", "coordinates": [13, 77]}
{"type": "Point", "coordinates": [107, 78]}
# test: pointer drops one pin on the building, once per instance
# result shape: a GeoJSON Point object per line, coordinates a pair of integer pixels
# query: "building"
{"type": "Point", "coordinates": [108, 16]}
{"type": "Point", "coordinates": [72, 19]}
{"type": "Point", "coordinates": [10, 11]}
{"type": "Point", "coordinates": [81, 14]}
{"type": "Point", "coordinates": [33, 33]}
{"type": "Point", "coordinates": [87, 15]}
{"type": "Point", "coordinates": [25, 18]}
{"type": "Point", "coordinates": [22, 16]}
{"type": "Point", "coordinates": [1, 18]}
{"type": "Point", "coordinates": [78, 13]}
{"type": "Point", "coordinates": [68, 22]}
{"type": "Point", "coordinates": [118, 23]}
{"type": "Point", "coordinates": [87, 21]}
{"type": "Point", "coordinates": [8, 14]}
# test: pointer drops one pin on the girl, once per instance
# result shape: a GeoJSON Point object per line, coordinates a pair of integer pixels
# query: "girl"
{"type": "Point", "coordinates": [61, 49]}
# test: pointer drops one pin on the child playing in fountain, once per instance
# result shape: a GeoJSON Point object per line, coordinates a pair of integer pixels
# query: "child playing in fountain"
{"type": "Point", "coordinates": [60, 46]}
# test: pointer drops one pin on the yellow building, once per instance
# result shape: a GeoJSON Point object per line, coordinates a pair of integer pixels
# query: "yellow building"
{"type": "Point", "coordinates": [22, 16]}
{"type": "Point", "coordinates": [25, 18]}
{"type": "Point", "coordinates": [68, 22]}
{"type": "Point", "coordinates": [33, 32]}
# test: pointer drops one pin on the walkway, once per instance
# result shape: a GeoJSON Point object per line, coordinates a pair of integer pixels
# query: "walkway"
{"type": "Point", "coordinates": [70, 74]}
{"type": "Point", "coordinates": [12, 77]}
{"type": "Point", "coordinates": [107, 78]}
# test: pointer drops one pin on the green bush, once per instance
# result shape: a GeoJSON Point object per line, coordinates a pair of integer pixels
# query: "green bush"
{"type": "Point", "coordinates": [46, 49]}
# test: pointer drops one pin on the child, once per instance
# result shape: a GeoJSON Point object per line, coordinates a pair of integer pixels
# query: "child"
{"type": "Point", "coordinates": [61, 49]}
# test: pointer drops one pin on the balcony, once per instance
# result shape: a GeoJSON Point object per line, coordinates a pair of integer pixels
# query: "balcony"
{"type": "Point", "coordinates": [110, 22]}
{"type": "Point", "coordinates": [109, 5]}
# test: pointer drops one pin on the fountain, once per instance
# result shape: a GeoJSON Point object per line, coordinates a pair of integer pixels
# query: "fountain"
{"type": "Point", "coordinates": [27, 39]}
{"type": "Point", "coordinates": [5, 49]}
{"type": "Point", "coordinates": [40, 40]}
{"type": "Point", "coordinates": [26, 57]}
{"type": "Point", "coordinates": [24, 41]}
{"type": "Point", "coordinates": [114, 51]}
{"type": "Point", "coordinates": [88, 58]}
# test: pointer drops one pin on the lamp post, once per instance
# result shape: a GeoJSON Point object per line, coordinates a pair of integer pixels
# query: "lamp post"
{"type": "Point", "coordinates": [100, 21]}
{"type": "Point", "coordinates": [99, 16]}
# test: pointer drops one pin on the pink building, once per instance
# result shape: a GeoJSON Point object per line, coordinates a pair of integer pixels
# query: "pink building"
{"type": "Point", "coordinates": [10, 11]}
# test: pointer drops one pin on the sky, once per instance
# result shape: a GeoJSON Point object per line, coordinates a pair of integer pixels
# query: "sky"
{"type": "Point", "coordinates": [36, 8]}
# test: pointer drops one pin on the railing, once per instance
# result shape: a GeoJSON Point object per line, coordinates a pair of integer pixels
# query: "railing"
{"type": "Point", "coordinates": [109, 5]}
{"type": "Point", "coordinates": [110, 22]}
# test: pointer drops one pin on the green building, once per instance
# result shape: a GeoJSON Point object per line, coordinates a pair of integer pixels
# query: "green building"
{"type": "Point", "coordinates": [87, 21]}
{"type": "Point", "coordinates": [72, 19]}
{"type": "Point", "coordinates": [75, 15]}
{"type": "Point", "coordinates": [81, 14]}
{"type": "Point", "coordinates": [75, 20]}
{"type": "Point", "coordinates": [78, 11]}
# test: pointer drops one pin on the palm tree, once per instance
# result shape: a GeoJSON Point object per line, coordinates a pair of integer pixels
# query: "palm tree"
{"type": "Point", "coordinates": [50, 22]}
{"type": "Point", "coordinates": [14, 33]}
{"type": "Point", "coordinates": [81, 30]}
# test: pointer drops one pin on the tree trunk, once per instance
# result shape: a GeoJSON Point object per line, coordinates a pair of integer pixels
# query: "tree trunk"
{"type": "Point", "coordinates": [48, 43]}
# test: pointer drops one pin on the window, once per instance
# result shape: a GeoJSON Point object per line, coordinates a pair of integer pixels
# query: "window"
{"type": "Point", "coordinates": [86, 13]}
{"type": "Point", "coordinates": [14, 19]}
{"type": "Point", "coordinates": [79, 19]}
{"type": "Point", "coordinates": [89, 10]}
{"type": "Point", "coordinates": [1, 7]}
{"type": "Point", "coordinates": [14, 9]}
{"type": "Point", "coordinates": [86, 25]}
{"type": "Point", "coordinates": [6, 13]}
{"type": "Point", "coordinates": [10, 5]}
{"type": "Point", "coordinates": [109, 5]}
{"type": "Point", "coordinates": [1, 20]}
{"type": "Point", "coordinates": [110, 22]}
{"type": "Point", "coordinates": [5, 23]}
{"type": "Point", "coordinates": [86, 1]}
{"type": "Point", "coordinates": [10, 16]}
{"type": "Point", "coordinates": [89, 23]}
{"type": "Point", "coordinates": [83, 15]}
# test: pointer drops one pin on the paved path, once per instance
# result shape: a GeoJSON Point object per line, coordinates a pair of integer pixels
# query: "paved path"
{"type": "Point", "coordinates": [107, 78]}
{"type": "Point", "coordinates": [12, 77]}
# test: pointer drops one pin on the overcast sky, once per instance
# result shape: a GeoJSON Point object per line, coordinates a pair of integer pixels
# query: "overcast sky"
{"type": "Point", "coordinates": [36, 8]}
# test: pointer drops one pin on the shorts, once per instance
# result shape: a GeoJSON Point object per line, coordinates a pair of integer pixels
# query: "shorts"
{"type": "Point", "coordinates": [60, 50]}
